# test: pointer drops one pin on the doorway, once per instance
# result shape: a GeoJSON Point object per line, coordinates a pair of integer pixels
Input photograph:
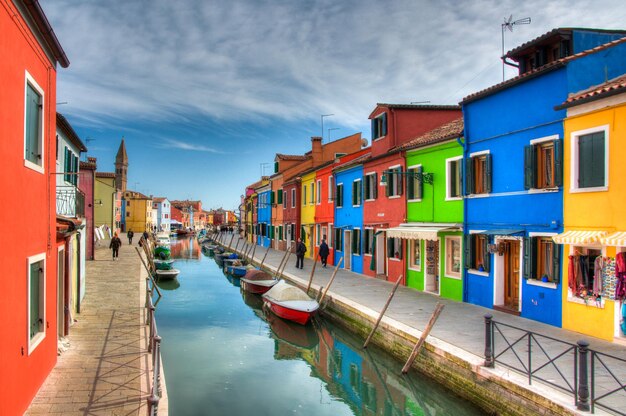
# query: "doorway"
{"type": "Point", "coordinates": [347, 250]}
{"type": "Point", "coordinates": [511, 275]}
{"type": "Point", "coordinates": [431, 275]}
{"type": "Point", "coordinates": [61, 292]}
{"type": "Point", "coordinates": [380, 254]}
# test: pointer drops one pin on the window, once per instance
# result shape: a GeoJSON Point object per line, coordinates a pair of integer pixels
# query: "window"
{"type": "Point", "coordinates": [339, 196]}
{"type": "Point", "coordinates": [127, 214]}
{"type": "Point", "coordinates": [330, 234]}
{"type": "Point", "coordinates": [394, 181]}
{"type": "Point", "coordinates": [543, 161]}
{"type": "Point", "coordinates": [338, 155]}
{"type": "Point", "coordinates": [70, 168]}
{"type": "Point", "coordinates": [454, 179]}
{"type": "Point", "coordinates": [280, 232]}
{"type": "Point", "coordinates": [304, 195]}
{"type": "Point", "coordinates": [589, 149]}
{"type": "Point", "coordinates": [394, 248]}
{"type": "Point", "coordinates": [331, 188]}
{"type": "Point", "coordinates": [453, 257]}
{"type": "Point", "coordinates": [318, 232]}
{"type": "Point", "coordinates": [293, 198]}
{"type": "Point", "coordinates": [416, 254]}
{"type": "Point", "coordinates": [356, 242]}
{"type": "Point", "coordinates": [318, 198]}
{"type": "Point", "coordinates": [282, 200]}
{"type": "Point", "coordinates": [541, 259]}
{"type": "Point", "coordinates": [36, 300]}
{"type": "Point", "coordinates": [414, 183]}
{"type": "Point", "coordinates": [478, 174]}
{"type": "Point", "coordinates": [312, 193]}
{"type": "Point", "coordinates": [357, 193]}
{"type": "Point", "coordinates": [368, 241]}
{"type": "Point", "coordinates": [476, 254]}
{"type": "Point", "coordinates": [338, 241]}
{"type": "Point", "coordinates": [379, 126]}
{"type": "Point", "coordinates": [371, 186]}
{"type": "Point", "coordinates": [167, 215]}
{"type": "Point", "coordinates": [33, 125]}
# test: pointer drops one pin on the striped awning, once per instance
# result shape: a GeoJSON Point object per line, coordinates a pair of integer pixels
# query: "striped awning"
{"type": "Point", "coordinates": [418, 232]}
{"type": "Point", "coordinates": [617, 239]}
{"type": "Point", "coordinates": [579, 237]}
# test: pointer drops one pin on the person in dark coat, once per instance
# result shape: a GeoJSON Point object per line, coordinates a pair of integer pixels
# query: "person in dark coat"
{"type": "Point", "coordinates": [130, 235]}
{"type": "Point", "coordinates": [300, 250]}
{"type": "Point", "coordinates": [115, 245]}
{"type": "Point", "coordinates": [324, 252]}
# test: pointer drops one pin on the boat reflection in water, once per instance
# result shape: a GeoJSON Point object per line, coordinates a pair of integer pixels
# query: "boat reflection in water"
{"type": "Point", "coordinates": [168, 284]}
{"type": "Point", "coordinates": [185, 248]}
{"type": "Point", "coordinates": [368, 380]}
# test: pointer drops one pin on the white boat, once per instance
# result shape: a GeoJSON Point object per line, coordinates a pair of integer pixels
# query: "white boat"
{"type": "Point", "coordinates": [163, 239]}
{"type": "Point", "coordinates": [290, 302]}
{"type": "Point", "coordinates": [167, 274]}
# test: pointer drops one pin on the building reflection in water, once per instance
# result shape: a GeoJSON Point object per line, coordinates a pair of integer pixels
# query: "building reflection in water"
{"type": "Point", "coordinates": [185, 248]}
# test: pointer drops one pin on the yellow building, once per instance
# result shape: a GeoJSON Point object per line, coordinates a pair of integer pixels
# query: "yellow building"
{"type": "Point", "coordinates": [138, 212]}
{"type": "Point", "coordinates": [106, 201]}
{"type": "Point", "coordinates": [594, 209]}
{"type": "Point", "coordinates": [309, 199]}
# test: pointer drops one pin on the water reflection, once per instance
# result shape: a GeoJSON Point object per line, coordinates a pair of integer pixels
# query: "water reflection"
{"type": "Point", "coordinates": [168, 284]}
{"type": "Point", "coordinates": [185, 248]}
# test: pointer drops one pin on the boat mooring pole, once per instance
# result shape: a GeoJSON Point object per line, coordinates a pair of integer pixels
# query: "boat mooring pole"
{"type": "Point", "coordinates": [236, 245]}
{"type": "Point", "coordinates": [231, 241]}
{"type": "Point", "coordinates": [420, 342]}
{"type": "Point", "coordinates": [263, 261]}
{"type": "Point", "coordinates": [253, 251]}
{"type": "Point", "coordinates": [330, 282]}
{"type": "Point", "coordinates": [380, 317]}
{"type": "Point", "coordinates": [311, 277]}
{"type": "Point", "coordinates": [280, 272]}
{"type": "Point", "coordinates": [282, 260]}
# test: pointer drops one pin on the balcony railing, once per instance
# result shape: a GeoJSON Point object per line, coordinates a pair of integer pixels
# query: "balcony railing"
{"type": "Point", "coordinates": [70, 201]}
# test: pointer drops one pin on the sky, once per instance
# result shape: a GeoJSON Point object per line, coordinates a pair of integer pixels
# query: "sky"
{"type": "Point", "coordinates": [206, 92]}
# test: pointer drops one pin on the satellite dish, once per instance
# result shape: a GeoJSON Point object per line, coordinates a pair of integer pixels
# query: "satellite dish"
{"type": "Point", "coordinates": [364, 142]}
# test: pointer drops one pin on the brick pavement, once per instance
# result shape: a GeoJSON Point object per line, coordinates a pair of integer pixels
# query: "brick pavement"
{"type": "Point", "coordinates": [104, 370]}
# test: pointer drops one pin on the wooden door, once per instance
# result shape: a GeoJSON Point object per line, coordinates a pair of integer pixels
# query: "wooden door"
{"type": "Point", "coordinates": [511, 274]}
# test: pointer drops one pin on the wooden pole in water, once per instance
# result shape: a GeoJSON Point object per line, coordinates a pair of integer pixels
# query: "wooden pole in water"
{"type": "Point", "coordinates": [420, 342]}
{"type": "Point", "coordinates": [236, 245]}
{"type": "Point", "coordinates": [330, 282]}
{"type": "Point", "coordinates": [280, 272]}
{"type": "Point", "coordinates": [311, 277]}
{"type": "Point", "coordinates": [148, 270]}
{"type": "Point", "coordinates": [263, 261]}
{"type": "Point", "coordinates": [282, 260]}
{"type": "Point", "coordinates": [382, 312]}
{"type": "Point", "coordinates": [253, 251]}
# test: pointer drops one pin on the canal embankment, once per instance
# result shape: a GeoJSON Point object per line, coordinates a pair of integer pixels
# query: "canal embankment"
{"type": "Point", "coordinates": [454, 353]}
{"type": "Point", "coordinates": [106, 368]}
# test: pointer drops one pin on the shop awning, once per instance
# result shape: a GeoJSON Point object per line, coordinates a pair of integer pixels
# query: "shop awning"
{"type": "Point", "coordinates": [421, 232]}
{"type": "Point", "coordinates": [617, 239]}
{"type": "Point", "coordinates": [501, 231]}
{"type": "Point", "coordinates": [579, 237]}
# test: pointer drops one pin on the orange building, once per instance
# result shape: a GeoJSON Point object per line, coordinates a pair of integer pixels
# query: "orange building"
{"type": "Point", "coordinates": [28, 311]}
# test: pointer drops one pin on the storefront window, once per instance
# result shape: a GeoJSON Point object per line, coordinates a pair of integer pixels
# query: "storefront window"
{"type": "Point", "coordinates": [453, 256]}
{"type": "Point", "coordinates": [416, 254]}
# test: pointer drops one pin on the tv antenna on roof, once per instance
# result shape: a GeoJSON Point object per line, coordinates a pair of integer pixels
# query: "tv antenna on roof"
{"type": "Point", "coordinates": [508, 24]}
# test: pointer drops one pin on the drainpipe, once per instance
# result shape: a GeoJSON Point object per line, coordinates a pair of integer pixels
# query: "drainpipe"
{"type": "Point", "coordinates": [464, 144]}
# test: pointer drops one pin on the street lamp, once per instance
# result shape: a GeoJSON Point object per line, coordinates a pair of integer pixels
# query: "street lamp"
{"type": "Point", "coordinates": [322, 117]}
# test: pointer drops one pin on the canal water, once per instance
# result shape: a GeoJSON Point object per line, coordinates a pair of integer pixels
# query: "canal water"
{"type": "Point", "coordinates": [223, 355]}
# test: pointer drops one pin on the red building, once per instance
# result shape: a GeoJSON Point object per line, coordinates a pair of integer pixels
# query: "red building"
{"type": "Point", "coordinates": [86, 183]}
{"type": "Point", "coordinates": [384, 181]}
{"type": "Point", "coordinates": [28, 311]}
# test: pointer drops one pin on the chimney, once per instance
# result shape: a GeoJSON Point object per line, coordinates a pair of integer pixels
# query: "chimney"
{"type": "Point", "coordinates": [316, 150]}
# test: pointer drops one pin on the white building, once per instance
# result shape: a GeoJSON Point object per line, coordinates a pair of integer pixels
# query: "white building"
{"type": "Point", "coordinates": [162, 208]}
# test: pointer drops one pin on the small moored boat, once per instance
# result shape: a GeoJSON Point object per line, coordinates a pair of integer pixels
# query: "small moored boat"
{"type": "Point", "coordinates": [167, 274]}
{"type": "Point", "coordinates": [290, 302]}
{"type": "Point", "coordinates": [257, 281]}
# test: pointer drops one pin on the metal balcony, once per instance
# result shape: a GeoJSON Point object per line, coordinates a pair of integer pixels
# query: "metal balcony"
{"type": "Point", "coordinates": [70, 202]}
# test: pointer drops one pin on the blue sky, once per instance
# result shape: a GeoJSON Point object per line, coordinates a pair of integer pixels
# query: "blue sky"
{"type": "Point", "coordinates": [204, 92]}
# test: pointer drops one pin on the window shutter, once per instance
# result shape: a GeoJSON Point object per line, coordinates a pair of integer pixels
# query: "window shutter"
{"type": "Point", "coordinates": [75, 170]}
{"type": "Point", "coordinates": [459, 172]}
{"type": "Point", "coordinates": [556, 263]}
{"type": "Point", "coordinates": [597, 165]}
{"type": "Point", "coordinates": [384, 127]}
{"type": "Point", "coordinates": [275, 167]}
{"type": "Point", "coordinates": [302, 234]}
{"type": "Point", "coordinates": [368, 186]}
{"type": "Point", "coordinates": [486, 255]}
{"type": "Point", "coordinates": [467, 250]}
{"type": "Point", "coordinates": [529, 167]}
{"type": "Point", "coordinates": [66, 164]}
{"type": "Point", "coordinates": [373, 122]}
{"type": "Point", "coordinates": [272, 199]}
{"type": "Point", "coordinates": [354, 198]}
{"type": "Point", "coordinates": [527, 272]}
{"type": "Point", "coordinates": [410, 185]}
{"type": "Point", "coordinates": [469, 176]}
{"type": "Point", "coordinates": [388, 182]}
{"type": "Point", "coordinates": [280, 196]}
{"type": "Point", "coordinates": [33, 110]}
{"type": "Point", "coordinates": [375, 185]}
{"type": "Point", "coordinates": [390, 247]}
{"type": "Point", "coordinates": [487, 173]}
{"type": "Point", "coordinates": [420, 184]}
{"type": "Point", "coordinates": [399, 248]}
{"type": "Point", "coordinates": [558, 162]}
{"type": "Point", "coordinates": [399, 177]}
{"type": "Point", "coordinates": [354, 242]}
{"type": "Point", "coordinates": [34, 299]}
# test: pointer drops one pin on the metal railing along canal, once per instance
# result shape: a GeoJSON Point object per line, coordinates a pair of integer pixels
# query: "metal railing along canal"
{"type": "Point", "coordinates": [154, 348]}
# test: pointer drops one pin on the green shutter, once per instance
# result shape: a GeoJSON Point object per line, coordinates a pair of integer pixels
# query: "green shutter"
{"type": "Point", "coordinates": [384, 126]}
{"type": "Point", "coordinates": [33, 115]}
{"type": "Point", "coordinates": [75, 170]}
{"type": "Point", "coordinates": [354, 241]}
{"type": "Point", "coordinates": [34, 299]}
{"type": "Point", "coordinates": [410, 184]}
{"type": "Point", "coordinates": [374, 132]}
{"type": "Point", "coordinates": [529, 167]}
{"type": "Point", "coordinates": [487, 173]}
{"type": "Point", "coordinates": [591, 160]}
{"type": "Point", "coordinates": [558, 162]}
{"type": "Point", "coordinates": [280, 196]}
{"type": "Point", "coordinates": [375, 185]}
{"type": "Point", "coordinates": [390, 247]}
{"type": "Point", "coordinates": [66, 164]}
{"type": "Point", "coordinates": [275, 167]}
{"type": "Point", "coordinates": [467, 251]}
{"type": "Point", "coordinates": [389, 179]}
{"type": "Point", "coordinates": [486, 256]}
{"type": "Point", "coordinates": [556, 263]}
{"type": "Point", "coordinates": [399, 177]}
{"type": "Point", "coordinates": [354, 197]}
{"type": "Point", "coordinates": [420, 183]}
{"type": "Point", "coordinates": [469, 176]}
{"type": "Point", "coordinates": [527, 271]}
{"type": "Point", "coordinates": [272, 198]}
{"type": "Point", "coordinates": [367, 185]}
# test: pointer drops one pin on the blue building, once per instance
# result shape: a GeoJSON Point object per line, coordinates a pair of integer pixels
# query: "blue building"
{"type": "Point", "coordinates": [264, 216]}
{"type": "Point", "coordinates": [513, 170]}
{"type": "Point", "coordinates": [347, 236]}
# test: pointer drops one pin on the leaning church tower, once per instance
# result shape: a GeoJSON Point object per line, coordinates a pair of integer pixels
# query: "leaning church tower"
{"type": "Point", "coordinates": [121, 167]}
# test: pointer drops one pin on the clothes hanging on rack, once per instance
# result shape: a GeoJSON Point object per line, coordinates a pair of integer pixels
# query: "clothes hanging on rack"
{"type": "Point", "coordinates": [598, 264]}
{"type": "Point", "coordinates": [620, 276]}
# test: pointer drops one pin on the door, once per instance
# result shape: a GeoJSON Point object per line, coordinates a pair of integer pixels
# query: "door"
{"type": "Point", "coordinates": [432, 267]}
{"type": "Point", "coordinates": [61, 292]}
{"type": "Point", "coordinates": [310, 246]}
{"type": "Point", "coordinates": [380, 253]}
{"type": "Point", "coordinates": [347, 250]}
{"type": "Point", "coordinates": [511, 274]}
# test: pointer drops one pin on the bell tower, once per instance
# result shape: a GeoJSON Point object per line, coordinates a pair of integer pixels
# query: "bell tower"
{"type": "Point", "coordinates": [121, 167]}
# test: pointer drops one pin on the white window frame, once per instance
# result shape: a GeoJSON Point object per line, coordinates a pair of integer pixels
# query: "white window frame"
{"type": "Point", "coordinates": [318, 198]}
{"type": "Point", "coordinates": [448, 190]}
{"type": "Point", "coordinates": [359, 243]}
{"type": "Point", "coordinates": [329, 235]}
{"type": "Point", "coordinates": [359, 188]}
{"type": "Point", "coordinates": [293, 197]}
{"type": "Point", "coordinates": [40, 336]}
{"type": "Point", "coordinates": [342, 196]}
{"type": "Point", "coordinates": [398, 195]}
{"type": "Point", "coordinates": [408, 168]}
{"type": "Point", "coordinates": [312, 193]}
{"type": "Point", "coordinates": [536, 282]}
{"type": "Point", "coordinates": [282, 191]}
{"type": "Point", "coordinates": [381, 116]}
{"type": "Point", "coordinates": [27, 163]}
{"type": "Point", "coordinates": [318, 232]}
{"type": "Point", "coordinates": [331, 189]}
{"type": "Point", "coordinates": [447, 272]}
{"type": "Point", "coordinates": [304, 191]}
{"type": "Point", "coordinates": [575, 162]}
{"type": "Point", "coordinates": [369, 175]}
{"type": "Point", "coordinates": [411, 259]}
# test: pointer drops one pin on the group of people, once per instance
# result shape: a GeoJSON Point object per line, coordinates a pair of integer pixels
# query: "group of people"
{"type": "Point", "coordinates": [301, 251]}
{"type": "Point", "coordinates": [116, 242]}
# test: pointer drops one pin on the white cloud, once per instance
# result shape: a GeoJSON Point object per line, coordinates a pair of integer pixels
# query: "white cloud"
{"type": "Point", "coordinates": [182, 145]}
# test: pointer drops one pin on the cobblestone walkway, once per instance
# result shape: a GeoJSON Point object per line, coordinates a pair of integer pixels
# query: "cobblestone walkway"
{"type": "Point", "coordinates": [104, 370]}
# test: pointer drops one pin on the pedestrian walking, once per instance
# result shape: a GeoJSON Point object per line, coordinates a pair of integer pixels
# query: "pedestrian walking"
{"type": "Point", "coordinates": [130, 235]}
{"type": "Point", "coordinates": [300, 250]}
{"type": "Point", "coordinates": [115, 245]}
{"type": "Point", "coordinates": [324, 252]}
